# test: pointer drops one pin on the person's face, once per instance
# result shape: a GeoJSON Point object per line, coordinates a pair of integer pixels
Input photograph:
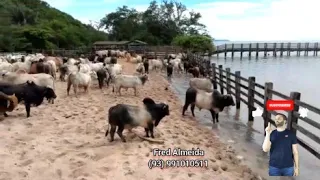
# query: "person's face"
{"type": "Point", "coordinates": [280, 122]}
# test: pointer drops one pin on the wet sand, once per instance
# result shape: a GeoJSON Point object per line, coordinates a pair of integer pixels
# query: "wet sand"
{"type": "Point", "coordinates": [66, 140]}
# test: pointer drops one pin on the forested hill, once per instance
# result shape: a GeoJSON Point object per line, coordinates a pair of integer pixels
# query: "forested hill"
{"type": "Point", "coordinates": [33, 24]}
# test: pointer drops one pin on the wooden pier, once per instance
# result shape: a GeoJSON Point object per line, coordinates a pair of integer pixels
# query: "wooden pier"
{"type": "Point", "coordinates": [246, 90]}
{"type": "Point", "coordinates": [268, 47]}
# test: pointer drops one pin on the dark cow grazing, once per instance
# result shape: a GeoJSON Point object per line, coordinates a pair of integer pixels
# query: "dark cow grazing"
{"type": "Point", "coordinates": [103, 76]}
{"type": "Point", "coordinates": [146, 65]}
{"type": "Point", "coordinates": [215, 102]}
{"type": "Point", "coordinates": [29, 92]}
{"type": "Point", "coordinates": [129, 116]}
{"type": "Point", "coordinates": [194, 71]}
{"type": "Point", "coordinates": [7, 103]}
{"type": "Point", "coordinates": [169, 70]}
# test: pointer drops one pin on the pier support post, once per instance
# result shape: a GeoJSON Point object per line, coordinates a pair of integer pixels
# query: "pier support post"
{"type": "Point", "coordinates": [250, 50]}
{"type": "Point", "coordinates": [241, 51]}
{"type": "Point", "coordinates": [289, 49]}
{"type": "Point", "coordinates": [306, 49]}
{"type": "Point", "coordinates": [225, 51]}
{"type": "Point", "coordinates": [281, 50]}
{"type": "Point", "coordinates": [237, 86]}
{"type": "Point", "coordinates": [251, 90]}
{"type": "Point", "coordinates": [267, 96]}
{"type": "Point", "coordinates": [232, 51]}
{"type": "Point", "coordinates": [292, 120]}
{"type": "Point", "coordinates": [221, 78]}
{"type": "Point", "coordinates": [274, 49]}
{"type": "Point", "coordinates": [299, 49]}
{"type": "Point", "coordinates": [257, 50]}
{"type": "Point", "coordinates": [265, 49]}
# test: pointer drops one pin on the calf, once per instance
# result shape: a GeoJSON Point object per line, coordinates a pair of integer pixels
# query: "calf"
{"type": "Point", "coordinates": [7, 103]}
{"type": "Point", "coordinates": [78, 79]}
{"type": "Point", "coordinates": [28, 92]}
{"type": "Point", "coordinates": [214, 102]}
{"type": "Point", "coordinates": [129, 81]}
{"type": "Point", "coordinates": [103, 75]}
{"type": "Point", "coordinates": [129, 116]}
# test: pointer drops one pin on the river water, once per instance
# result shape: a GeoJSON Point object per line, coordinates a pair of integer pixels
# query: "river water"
{"type": "Point", "coordinates": [288, 74]}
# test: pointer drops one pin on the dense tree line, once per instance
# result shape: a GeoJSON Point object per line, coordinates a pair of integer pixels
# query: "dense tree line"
{"type": "Point", "coordinates": [159, 24]}
{"type": "Point", "coordinates": [33, 24]}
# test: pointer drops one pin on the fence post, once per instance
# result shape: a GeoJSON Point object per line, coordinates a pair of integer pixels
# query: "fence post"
{"type": "Point", "coordinates": [291, 118]}
{"type": "Point", "coordinates": [267, 96]}
{"type": "Point", "coordinates": [237, 86]}
{"type": "Point", "coordinates": [213, 65]}
{"type": "Point", "coordinates": [228, 80]}
{"type": "Point", "coordinates": [251, 90]}
{"type": "Point", "coordinates": [221, 78]}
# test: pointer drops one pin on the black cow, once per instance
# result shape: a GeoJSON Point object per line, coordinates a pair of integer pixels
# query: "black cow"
{"type": "Point", "coordinates": [215, 102]}
{"type": "Point", "coordinates": [129, 116]}
{"type": "Point", "coordinates": [169, 70]}
{"type": "Point", "coordinates": [103, 76]}
{"type": "Point", "coordinates": [146, 65]}
{"type": "Point", "coordinates": [28, 92]}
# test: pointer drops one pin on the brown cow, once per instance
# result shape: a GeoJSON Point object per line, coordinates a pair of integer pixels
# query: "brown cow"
{"type": "Point", "coordinates": [7, 103]}
{"type": "Point", "coordinates": [41, 67]}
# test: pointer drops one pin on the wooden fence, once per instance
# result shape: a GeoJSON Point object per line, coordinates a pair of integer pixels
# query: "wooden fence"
{"type": "Point", "coordinates": [247, 91]}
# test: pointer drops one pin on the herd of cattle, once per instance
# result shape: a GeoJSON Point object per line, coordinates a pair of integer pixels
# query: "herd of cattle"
{"type": "Point", "coordinates": [31, 79]}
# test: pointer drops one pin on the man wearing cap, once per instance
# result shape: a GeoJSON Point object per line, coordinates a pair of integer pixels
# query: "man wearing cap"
{"type": "Point", "coordinates": [282, 144]}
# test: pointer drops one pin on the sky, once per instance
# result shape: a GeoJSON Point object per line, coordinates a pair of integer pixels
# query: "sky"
{"type": "Point", "coordinates": [235, 20]}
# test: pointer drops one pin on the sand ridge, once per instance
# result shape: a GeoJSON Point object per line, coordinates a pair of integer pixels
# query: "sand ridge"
{"type": "Point", "coordinates": [66, 140]}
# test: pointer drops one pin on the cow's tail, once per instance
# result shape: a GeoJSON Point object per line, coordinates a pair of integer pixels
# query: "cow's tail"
{"type": "Point", "coordinates": [107, 131]}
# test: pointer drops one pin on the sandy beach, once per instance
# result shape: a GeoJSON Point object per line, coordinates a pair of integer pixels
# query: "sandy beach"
{"type": "Point", "coordinates": [66, 140]}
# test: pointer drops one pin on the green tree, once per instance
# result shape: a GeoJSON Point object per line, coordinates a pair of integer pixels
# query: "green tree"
{"type": "Point", "coordinates": [195, 43]}
{"type": "Point", "coordinates": [159, 24]}
{"type": "Point", "coordinates": [33, 24]}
